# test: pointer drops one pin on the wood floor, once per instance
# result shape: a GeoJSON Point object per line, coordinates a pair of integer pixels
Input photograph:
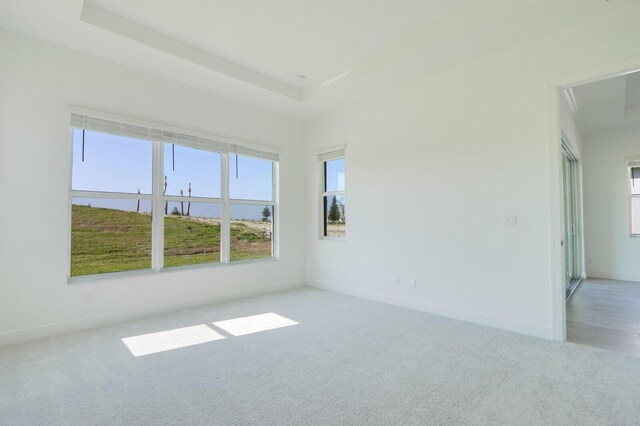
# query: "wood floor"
{"type": "Point", "coordinates": [605, 314]}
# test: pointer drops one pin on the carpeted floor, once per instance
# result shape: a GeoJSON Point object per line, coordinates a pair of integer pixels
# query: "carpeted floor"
{"type": "Point", "coordinates": [346, 361]}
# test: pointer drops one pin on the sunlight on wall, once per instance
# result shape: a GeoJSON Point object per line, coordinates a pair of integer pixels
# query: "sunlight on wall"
{"type": "Point", "coordinates": [254, 324]}
{"type": "Point", "coordinates": [146, 344]}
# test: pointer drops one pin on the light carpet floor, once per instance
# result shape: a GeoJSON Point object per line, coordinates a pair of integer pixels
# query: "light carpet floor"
{"type": "Point", "coordinates": [347, 362]}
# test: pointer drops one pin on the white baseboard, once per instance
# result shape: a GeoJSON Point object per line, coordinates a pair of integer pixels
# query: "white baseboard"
{"type": "Point", "coordinates": [613, 276]}
{"type": "Point", "coordinates": [51, 330]}
{"type": "Point", "coordinates": [445, 311]}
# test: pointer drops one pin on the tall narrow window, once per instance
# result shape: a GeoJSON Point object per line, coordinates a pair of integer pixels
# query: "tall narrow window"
{"type": "Point", "coordinates": [333, 199]}
{"type": "Point", "coordinates": [634, 197]}
{"type": "Point", "coordinates": [111, 190]}
{"type": "Point", "coordinates": [251, 207]}
{"type": "Point", "coordinates": [192, 205]}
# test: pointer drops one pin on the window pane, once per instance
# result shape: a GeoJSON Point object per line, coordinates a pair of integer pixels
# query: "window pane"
{"type": "Point", "coordinates": [110, 235]}
{"type": "Point", "coordinates": [334, 175]}
{"type": "Point", "coordinates": [635, 216]}
{"type": "Point", "coordinates": [111, 163]}
{"type": "Point", "coordinates": [188, 167]}
{"type": "Point", "coordinates": [334, 216]}
{"type": "Point", "coordinates": [635, 180]}
{"type": "Point", "coordinates": [250, 178]}
{"type": "Point", "coordinates": [191, 233]}
{"type": "Point", "coordinates": [251, 231]}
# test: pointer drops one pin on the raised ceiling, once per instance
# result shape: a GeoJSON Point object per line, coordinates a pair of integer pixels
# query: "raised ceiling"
{"type": "Point", "coordinates": [252, 50]}
{"type": "Point", "coordinates": [285, 38]}
{"type": "Point", "coordinates": [607, 104]}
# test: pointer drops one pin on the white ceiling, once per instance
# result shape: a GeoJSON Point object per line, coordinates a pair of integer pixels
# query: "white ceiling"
{"type": "Point", "coordinates": [252, 50]}
{"type": "Point", "coordinates": [607, 104]}
{"type": "Point", "coordinates": [284, 38]}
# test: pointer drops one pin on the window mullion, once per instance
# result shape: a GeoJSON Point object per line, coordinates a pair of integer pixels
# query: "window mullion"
{"type": "Point", "coordinates": [225, 228]}
{"type": "Point", "coordinates": [157, 223]}
{"type": "Point", "coordinates": [110, 195]}
{"type": "Point", "coordinates": [178, 198]}
{"type": "Point", "coordinates": [252, 202]}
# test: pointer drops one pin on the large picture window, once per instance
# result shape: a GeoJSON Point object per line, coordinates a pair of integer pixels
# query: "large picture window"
{"type": "Point", "coordinates": [333, 198]}
{"type": "Point", "coordinates": [144, 198]}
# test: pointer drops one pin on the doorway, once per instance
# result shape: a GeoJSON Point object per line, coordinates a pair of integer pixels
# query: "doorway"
{"type": "Point", "coordinates": [598, 213]}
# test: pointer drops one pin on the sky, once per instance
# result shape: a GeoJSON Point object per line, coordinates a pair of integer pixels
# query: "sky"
{"type": "Point", "coordinates": [335, 175]}
{"type": "Point", "coordinates": [121, 164]}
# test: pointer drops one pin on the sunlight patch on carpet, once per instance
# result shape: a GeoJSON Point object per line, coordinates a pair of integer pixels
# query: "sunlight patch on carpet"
{"type": "Point", "coordinates": [152, 343]}
{"type": "Point", "coordinates": [254, 324]}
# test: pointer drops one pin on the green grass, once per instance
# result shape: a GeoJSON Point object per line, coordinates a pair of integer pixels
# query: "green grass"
{"type": "Point", "coordinates": [106, 240]}
{"type": "Point", "coordinates": [247, 242]}
{"type": "Point", "coordinates": [187, 242]}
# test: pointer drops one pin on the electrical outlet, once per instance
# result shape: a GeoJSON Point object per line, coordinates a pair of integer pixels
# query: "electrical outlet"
{"type": "Point", "coordinates": [510, 221]}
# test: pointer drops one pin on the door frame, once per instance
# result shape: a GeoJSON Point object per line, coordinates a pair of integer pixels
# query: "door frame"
{"type": "Point", "coordinates": [554, 91]}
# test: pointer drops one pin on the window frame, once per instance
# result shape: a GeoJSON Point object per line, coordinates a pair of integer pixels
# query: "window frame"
{"type": "Point", "coordinates": [631, 164]}
{"type": "Point", "coordinates": [158, 199]}
{"type": "Point", "coordinates": [334, 153]}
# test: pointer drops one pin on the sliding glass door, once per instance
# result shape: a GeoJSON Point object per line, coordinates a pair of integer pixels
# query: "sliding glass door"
{"type": "Point", "coordinates": [570, 238]}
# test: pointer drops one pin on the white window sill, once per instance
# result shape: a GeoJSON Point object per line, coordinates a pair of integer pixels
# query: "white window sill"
{"type": "Point", "coordinates": [145, 272]}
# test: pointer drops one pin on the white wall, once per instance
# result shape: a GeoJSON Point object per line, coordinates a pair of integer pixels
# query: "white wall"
{"type": "Point", "coordinates": [435, 165]}
{"type": "Point", "coordinates": [38, 82]}
{"type": "Point", "coordinates": [610, 251]}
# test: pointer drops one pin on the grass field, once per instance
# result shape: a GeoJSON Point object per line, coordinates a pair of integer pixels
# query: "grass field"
{"type": "Point", "coordinates": [107, 240]}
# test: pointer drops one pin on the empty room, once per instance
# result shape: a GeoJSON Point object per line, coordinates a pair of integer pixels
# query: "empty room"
{"type": "Point", "coordinates": [293, 212]}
